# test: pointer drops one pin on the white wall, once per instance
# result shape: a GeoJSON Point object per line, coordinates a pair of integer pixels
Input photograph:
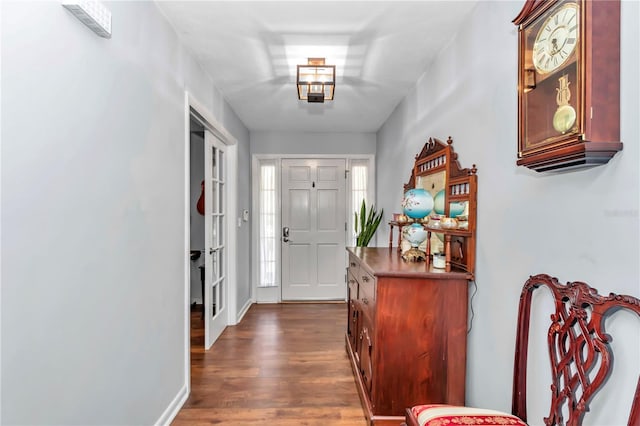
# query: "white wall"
{"type": "Point", "coordinates": [93, 214]}
{"type": "Point", "coordinates": [243, 202]}
{"type": "Point", "coordinates": [312, 143]}
{"type": "Point", "coordinates": [575, 226]}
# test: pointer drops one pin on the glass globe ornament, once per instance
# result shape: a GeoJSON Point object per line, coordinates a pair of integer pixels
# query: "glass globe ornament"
{"type": "Point", "coordinates": [438, 202]}
{"type": "Point", "coordinates": [417, 203]}
{"type": "Point", "coordinates": [415, 234]}
{"type": "Point", "coordinates": [456, 208]}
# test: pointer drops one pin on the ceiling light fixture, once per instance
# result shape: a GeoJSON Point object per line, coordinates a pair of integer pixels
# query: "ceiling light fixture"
{"type": "Point", "coordinates": [316, 81]}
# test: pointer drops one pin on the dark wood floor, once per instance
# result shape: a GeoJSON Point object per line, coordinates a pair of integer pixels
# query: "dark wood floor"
{"type": "Point", "coordinates": [282, 365]}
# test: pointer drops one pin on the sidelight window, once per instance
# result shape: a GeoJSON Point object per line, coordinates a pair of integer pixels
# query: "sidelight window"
{"type": "Point", "coordinates": [269, 238]}
{"type": "Point", "coordinates": [359, 182]}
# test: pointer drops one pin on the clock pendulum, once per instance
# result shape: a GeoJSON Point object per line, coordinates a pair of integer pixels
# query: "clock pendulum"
{"type": "Point", "coordinates": [565, 116]}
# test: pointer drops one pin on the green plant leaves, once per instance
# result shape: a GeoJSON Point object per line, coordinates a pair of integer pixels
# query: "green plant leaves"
{"type": "Point", "coordinates": [368, 224]}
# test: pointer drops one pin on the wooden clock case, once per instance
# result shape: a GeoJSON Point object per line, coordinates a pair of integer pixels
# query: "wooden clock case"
{"type": "Point", "coordinates": [596, 136]}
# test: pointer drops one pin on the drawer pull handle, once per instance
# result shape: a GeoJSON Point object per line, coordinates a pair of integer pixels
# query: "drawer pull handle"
{"type": "Point", "coordinates": [353, 264]}
{"type": "Point", "coordinates": [365, 278]}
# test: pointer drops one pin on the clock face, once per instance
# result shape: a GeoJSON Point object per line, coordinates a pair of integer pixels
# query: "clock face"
{"type": "Point", "coordinates": [556, 39]}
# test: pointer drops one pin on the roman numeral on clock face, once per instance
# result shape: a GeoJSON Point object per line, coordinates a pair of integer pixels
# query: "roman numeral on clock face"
{"type": "Point", "coordinates": [557, 38]}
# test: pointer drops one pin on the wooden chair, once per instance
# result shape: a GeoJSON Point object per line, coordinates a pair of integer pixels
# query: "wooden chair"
{"type": "Point", "coordinates": [580, 356]}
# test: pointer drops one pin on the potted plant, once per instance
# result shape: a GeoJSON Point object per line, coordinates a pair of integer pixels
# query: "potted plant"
{"type": "Point", "coordinates": [367, 223]}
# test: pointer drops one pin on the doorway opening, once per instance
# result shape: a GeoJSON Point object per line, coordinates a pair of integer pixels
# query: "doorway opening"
{"type": "Point", "coordinates": [213, 181]}
{"type": "Point", "coordinates": [208, 218]}
{"type": "Point", "coordinates": [197, 232]}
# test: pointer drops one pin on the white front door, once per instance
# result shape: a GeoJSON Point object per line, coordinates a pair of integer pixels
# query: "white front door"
{"type": "Point", "coordinates": [313, 229]}
{"type": "Point", "coordinates": [215, 242]}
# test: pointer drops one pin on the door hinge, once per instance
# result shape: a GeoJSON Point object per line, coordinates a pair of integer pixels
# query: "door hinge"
{"type": "Point", "coordinates": [345, 226]}
{"type": "Point", "coordinates": [346, 172]}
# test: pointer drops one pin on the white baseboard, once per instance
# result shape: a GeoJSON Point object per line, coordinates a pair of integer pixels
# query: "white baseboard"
{"type": "Point", "coordinates": [244, 310]}
{"type": "Point", "coordinates": [173, 408]}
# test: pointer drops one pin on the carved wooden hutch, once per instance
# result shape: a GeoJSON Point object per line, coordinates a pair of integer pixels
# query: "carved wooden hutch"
{"type": "Point", "coordinates": [407, 321]}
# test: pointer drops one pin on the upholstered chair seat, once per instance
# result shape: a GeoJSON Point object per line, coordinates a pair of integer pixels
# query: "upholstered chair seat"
{"type": "Point", "coordinates": [451, 415]}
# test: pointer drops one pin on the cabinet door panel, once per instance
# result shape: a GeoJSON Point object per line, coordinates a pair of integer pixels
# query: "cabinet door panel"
{"type": "Point", "coordinates": [352, 326]}
{"type": "Point", "coordinates": [366, 352]}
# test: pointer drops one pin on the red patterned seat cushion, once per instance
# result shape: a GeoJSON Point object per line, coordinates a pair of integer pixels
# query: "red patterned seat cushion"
{"type": "Point", "coordinates": [451, 415]}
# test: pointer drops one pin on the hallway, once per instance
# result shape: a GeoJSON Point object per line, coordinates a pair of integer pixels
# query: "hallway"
{"type": "Point", "coordinates": [282, 365]}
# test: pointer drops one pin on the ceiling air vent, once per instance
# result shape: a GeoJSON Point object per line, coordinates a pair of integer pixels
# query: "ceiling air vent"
{"type": "Point", "coordinates": [91, 13]}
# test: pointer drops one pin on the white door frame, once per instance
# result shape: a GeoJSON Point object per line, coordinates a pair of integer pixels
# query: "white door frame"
{"type": "Point", "coordinates": [273, 294]}
{"type": "Point", "coordinates": [208, 120]}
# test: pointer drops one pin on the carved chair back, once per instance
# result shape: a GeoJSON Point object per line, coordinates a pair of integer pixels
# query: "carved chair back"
{"type": "Point", "coordinates": [579, 349]}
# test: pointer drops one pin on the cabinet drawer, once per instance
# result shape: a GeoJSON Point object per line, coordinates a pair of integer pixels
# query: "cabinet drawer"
{"type": "Point", "coordinates": [352, 286]}
{"type": "Point", "coordinates": [367, 292]}
{"type": "Point", "coordinates": [354, 266]}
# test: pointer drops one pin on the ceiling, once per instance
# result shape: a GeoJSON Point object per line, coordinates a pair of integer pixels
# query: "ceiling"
{"type": "Point", "coordinates": [251, 49]}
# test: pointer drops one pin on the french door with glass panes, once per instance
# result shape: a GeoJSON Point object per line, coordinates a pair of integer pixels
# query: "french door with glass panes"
{"type": "Point", "coordinates": [215, 221]}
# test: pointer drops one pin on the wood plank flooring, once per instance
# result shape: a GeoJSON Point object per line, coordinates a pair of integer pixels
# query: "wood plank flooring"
{"type": "Point", "coordinates": [282, 365]}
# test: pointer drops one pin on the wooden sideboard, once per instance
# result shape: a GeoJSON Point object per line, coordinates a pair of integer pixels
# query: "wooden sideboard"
{"type": "Point", "coordinates": [406, 333]}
